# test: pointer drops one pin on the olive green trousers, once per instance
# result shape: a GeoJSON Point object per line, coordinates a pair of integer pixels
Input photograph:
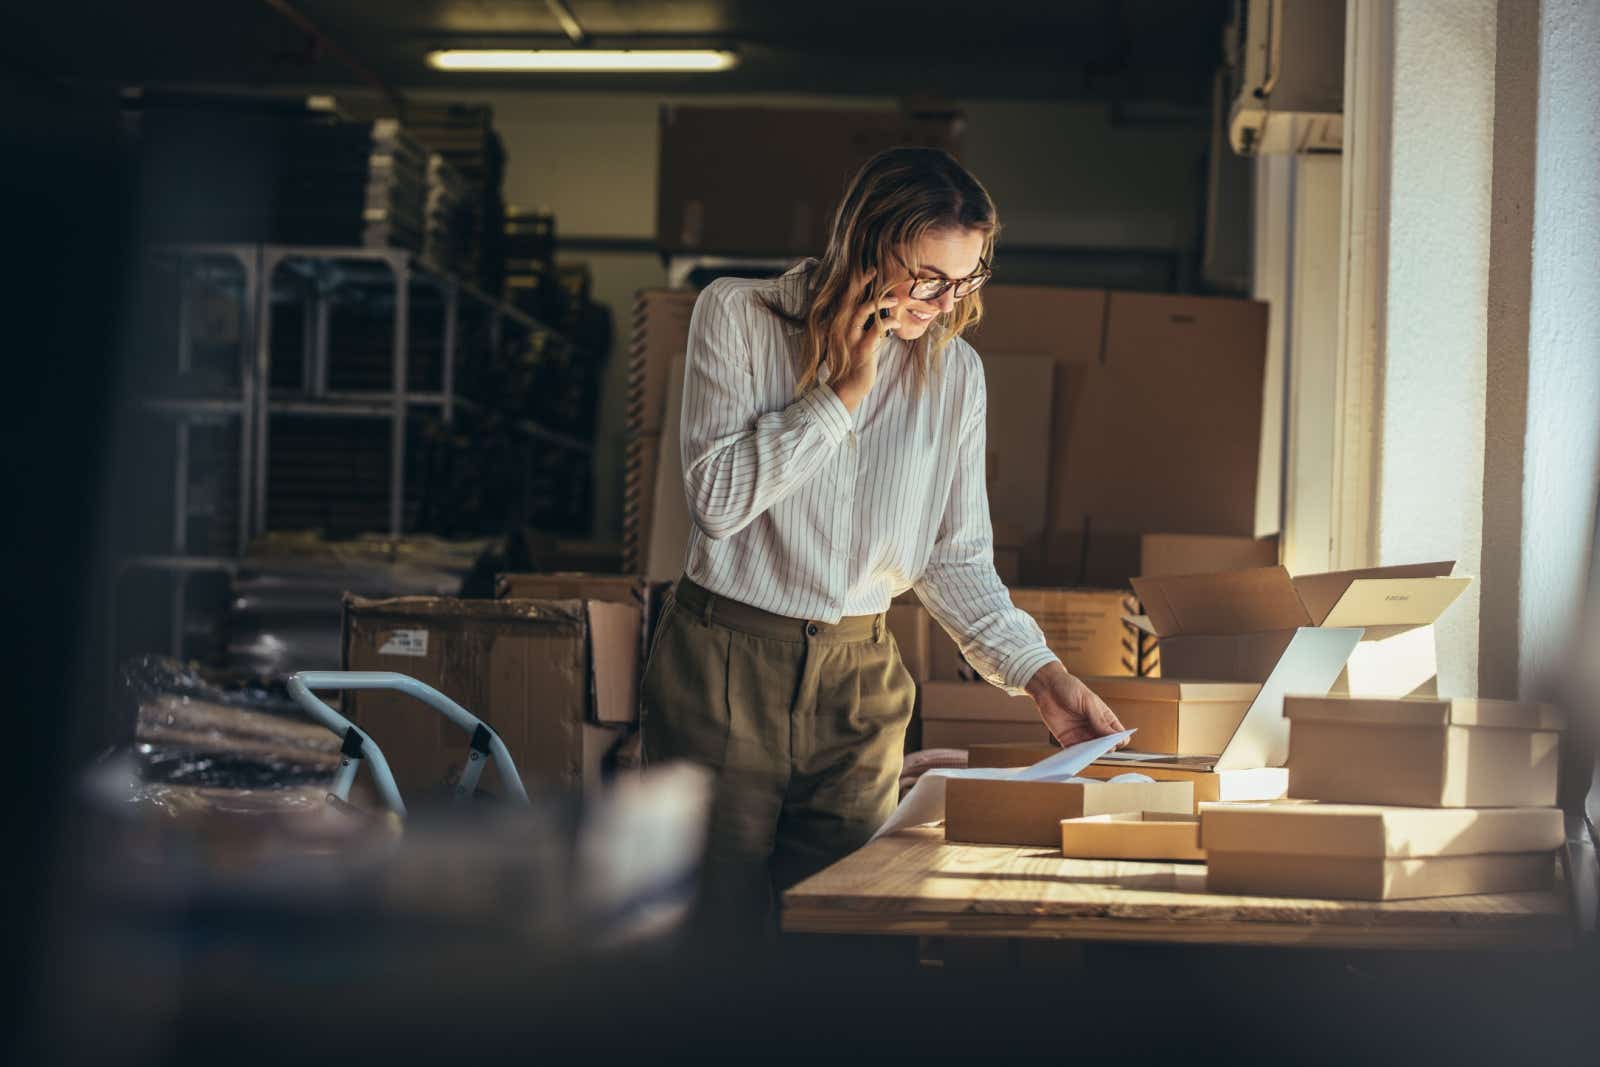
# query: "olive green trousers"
{"type": "Point", "coordinates": [803, 724]}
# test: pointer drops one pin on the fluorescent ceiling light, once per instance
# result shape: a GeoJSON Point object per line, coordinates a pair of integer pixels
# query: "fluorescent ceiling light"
{"type": "Point", "coordinates": [580, 59]}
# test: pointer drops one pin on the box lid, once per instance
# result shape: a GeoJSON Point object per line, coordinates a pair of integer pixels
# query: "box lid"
{"type": "Point", "coordinates": [1266, 598]}
{"type": "Point", "coordinates": [1115, 688]}
{"type": "Point", "coordinates": [1353, 830]}
{"type": "Point", "coordinates": [1424, 711]}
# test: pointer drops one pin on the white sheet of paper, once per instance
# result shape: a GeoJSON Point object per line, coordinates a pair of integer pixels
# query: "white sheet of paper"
{"type": "Point", "coordinates": [925, 802]}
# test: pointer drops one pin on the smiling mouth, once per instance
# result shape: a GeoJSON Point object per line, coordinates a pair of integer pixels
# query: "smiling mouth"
{"type": "Point", "coordinates": [919, 316]}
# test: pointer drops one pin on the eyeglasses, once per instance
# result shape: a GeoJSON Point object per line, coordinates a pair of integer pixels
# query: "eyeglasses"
{"type": "Point", "coordinates": [933, 288]}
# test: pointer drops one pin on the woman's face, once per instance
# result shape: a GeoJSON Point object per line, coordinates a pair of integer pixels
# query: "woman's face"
{"type": "Point", "coordinates": [941, 254]}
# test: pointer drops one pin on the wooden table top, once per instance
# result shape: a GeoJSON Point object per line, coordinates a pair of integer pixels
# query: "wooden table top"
{"type": "Point", "coordinates": [913, 883]}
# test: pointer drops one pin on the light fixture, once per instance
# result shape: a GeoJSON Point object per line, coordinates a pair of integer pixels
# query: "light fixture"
{"type": "Point", "coordinates": [582, 59]}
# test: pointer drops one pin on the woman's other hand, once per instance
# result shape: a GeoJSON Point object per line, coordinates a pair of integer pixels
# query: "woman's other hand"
{"type": "Point", "coordinates": [1070, 710]}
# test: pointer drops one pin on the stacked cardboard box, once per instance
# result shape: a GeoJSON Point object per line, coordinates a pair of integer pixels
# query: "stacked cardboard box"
{"type": "Point", "coordinates": [1416, 797]}
{"type": "Point", "coordinates": [556, 679]}
{"type": "Point", "coordinates": [754, 181]}
{"type": "Point", "coordinates": [1178, 717]}
{"type": "Point", "coordinates": [659, 337]}
{"type": "Point", "coordinates": [1187, 371]}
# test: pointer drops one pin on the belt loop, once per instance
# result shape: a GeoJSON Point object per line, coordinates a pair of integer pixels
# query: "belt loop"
{"type": "Point", "coordinates": [877, 629]}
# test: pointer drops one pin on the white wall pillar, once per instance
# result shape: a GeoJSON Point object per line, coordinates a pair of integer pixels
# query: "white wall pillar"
{"type": "Point", "coordinates": [1429, 471]}
{"type": "Point", "coordinates": [1561, 466]}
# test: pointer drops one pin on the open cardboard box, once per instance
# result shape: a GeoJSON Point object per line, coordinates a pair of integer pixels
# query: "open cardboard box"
{"type": "Point", "coordinates": [1361, 852]}
{"type": "Point", "coordinates": [1139, 835]}
{"type": "Point", "coordinates": [996, 811]}
{"type": "Point", "coordinates": [1171, 715]}
{"type": "Point", "coordinates": [1423, 751]}
{"type": "Point", "coordinates": [1234, 626]}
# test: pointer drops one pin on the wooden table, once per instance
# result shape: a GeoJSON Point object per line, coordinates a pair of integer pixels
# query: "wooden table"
{"type": "Point", "coordinates": [914, 883]}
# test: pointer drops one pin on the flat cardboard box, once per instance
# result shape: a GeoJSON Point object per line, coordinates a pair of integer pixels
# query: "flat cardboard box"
{"type": "Point", "coordinates": [537, 671]}
{"type": "Point", "coordinates": [994, 811]}
{"type": "Point", "coordinates": [1210, 786]}
{"type": "Point", "coordinates": [965, 733]}
{"type": "Point", "coordinates": [959, 714]}
{"type": "Point", "coordinates": [1086, 628]}
{"type": "Point", "coordinates": [1423, 752]}
{"type": "Point", "coordinates": [766, 181]}
{"type": "Point", "coordinates": [1379, 853]}
{"type": "Point", "coordinates": [1167, 554]}
{"type": "Point", "coordinates": [1375, 878]}
{"type": "Point", "coordinates": [1236, 625]}
{"type": "Point", "coordinates": [1140, 835]}
{"type": "Point", "coordinates": [1183, 717]}
{"type": "Point", "coordinates": [1379, 831]}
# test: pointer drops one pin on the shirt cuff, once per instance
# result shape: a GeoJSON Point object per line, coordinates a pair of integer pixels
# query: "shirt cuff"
{"type": "Point", "coordinates": [1020, 670]}
{"type": "Point", "coordinates": [827, 411]}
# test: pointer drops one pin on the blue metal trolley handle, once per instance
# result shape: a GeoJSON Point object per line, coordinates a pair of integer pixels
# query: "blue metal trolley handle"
{"type": "Point", "coordinates": [485, 744]}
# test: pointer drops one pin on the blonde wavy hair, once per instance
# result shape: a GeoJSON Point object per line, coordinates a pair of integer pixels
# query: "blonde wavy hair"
{"type": "Point", "coordinates": [897, 197]}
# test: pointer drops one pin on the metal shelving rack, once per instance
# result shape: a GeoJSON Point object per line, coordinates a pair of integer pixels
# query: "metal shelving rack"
{"type": "Point", "coordinates": [320, 271]}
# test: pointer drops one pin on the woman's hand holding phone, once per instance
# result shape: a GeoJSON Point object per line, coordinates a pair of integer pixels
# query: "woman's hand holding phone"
{"type": "Point", "coordinates": [875, 320]}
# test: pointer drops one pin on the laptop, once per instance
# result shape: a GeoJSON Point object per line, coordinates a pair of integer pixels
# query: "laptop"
{"type": "Point", "coordinates": [1308, 667]}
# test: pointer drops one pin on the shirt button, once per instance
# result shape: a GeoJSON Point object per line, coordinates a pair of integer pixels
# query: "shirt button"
{"type": "Point", "coordinates": [811, 629]}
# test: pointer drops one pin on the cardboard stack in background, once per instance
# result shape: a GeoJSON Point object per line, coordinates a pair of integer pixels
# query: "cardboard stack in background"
{"type": "Point", "coordinates": [1156, 421]}
{"type": "Point", "coordinates": [1415, 797]}
{"type": "Point", "coordinates": [556, 679]}
{"type": "Point", "coordinates": [956, 709]}
{"type": "Point", "coordinates": [755, 181]}
{"type": "Point", "coordinates": [660, 335]}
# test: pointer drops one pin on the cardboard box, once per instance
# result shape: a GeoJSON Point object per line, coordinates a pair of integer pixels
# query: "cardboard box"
{"type": "Point", "coordinates": [638, 499]}
{"type": "Point", "coordinates": [660, 335]}
{"type": "Point", "coordinates": [554, 678]}
{"type": "Point", "coordinates": [1234, 626]}
{"type": "Point", "coordinates": [1346, 878]}
{"type": "Point", "coordinates": [668, 544]}
{"type": "Point", "coordinates": [910, 625]}
{"type": "Point", "coordinates": [1019, 403]}
{"type": "Point", "coordinates": [960, 714]}
{"type": "Point", "coordinates": [1140, 835]}
{"type": "Point", "coordinates": [1210, 786]}
{"type": "Point", "coordinates": [766, 181]}
{"type": "Point", "coordinates": [1167, 554]}
{"type": "Point", "coordinates": [1188, 369]}
{"type": "Point", "coordinates": [993, 811]}
{"type": "Point", "coordinates": [1423, 752]}
{"type": "Point", "coordinates": [1086, 628]}
{"type": "Point", "coordinates": [1192, 718]}
{"type": "Point", "coordinates": [1379, 853]}
{"type": "Point", "coordinates": [945, 662]}
{"type": "Point", "coordinates": [569, 585]}
{"type": "Point", "coordinates": [965, 733]}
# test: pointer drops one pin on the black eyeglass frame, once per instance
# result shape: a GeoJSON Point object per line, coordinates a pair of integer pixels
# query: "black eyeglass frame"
{"type": "Point", "coordinates": [973, 283]}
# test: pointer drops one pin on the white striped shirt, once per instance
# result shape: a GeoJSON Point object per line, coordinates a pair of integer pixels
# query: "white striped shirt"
{"type": "Point", "coordinates": [802, 509]}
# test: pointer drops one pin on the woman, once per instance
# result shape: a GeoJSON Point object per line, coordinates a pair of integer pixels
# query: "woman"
{"type": "Point", "coordinates": [833, 455]}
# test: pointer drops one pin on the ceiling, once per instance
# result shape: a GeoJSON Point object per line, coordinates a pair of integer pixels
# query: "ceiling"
{"type": "Point", "coordinates": [1150, 51]}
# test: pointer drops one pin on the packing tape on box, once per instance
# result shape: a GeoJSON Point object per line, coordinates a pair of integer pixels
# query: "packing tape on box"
{"type": "Point", "coordinates": [925, 802]}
